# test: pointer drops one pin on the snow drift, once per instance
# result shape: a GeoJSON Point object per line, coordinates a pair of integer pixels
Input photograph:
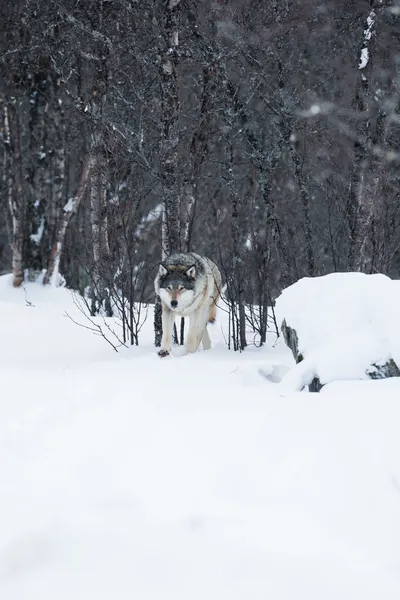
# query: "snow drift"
{"type": "Point", "coordinates": [347, 326]}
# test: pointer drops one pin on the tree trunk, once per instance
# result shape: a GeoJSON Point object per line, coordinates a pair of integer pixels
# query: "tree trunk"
{"type": "Point", "coordinates": [305, 201]}
{"type": "Point", "coordinates": [101, 276]}
{"type": "Point", "coordinates": [169, 167]}
{"type": "Point", "coordinates": [199, 148]}
{"type": "Point", "coordinates": [56, 208]}
{"type": "Point", "coordinates": [69, 209]}
{"type": "Point", "coordinates": [237, 272]}
{"type": "Point", "coordinates": [363, 193]}
{"type": "Point", "coordinates": [38, 174]}
{"type": "Point", "coordinates": [16, 197]}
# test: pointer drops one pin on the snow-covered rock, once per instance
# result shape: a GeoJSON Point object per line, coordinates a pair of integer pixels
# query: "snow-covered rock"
{"type": "Point", "coordinates": [341, 326]}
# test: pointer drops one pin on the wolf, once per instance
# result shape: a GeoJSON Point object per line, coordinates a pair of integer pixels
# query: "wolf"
{"type": "Point", "coordinates": [189, 285]}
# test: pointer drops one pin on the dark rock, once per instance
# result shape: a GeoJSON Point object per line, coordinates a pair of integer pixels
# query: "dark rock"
{"type": "Point", "coordinates": [292, 341]}
{"type": "Point", "coordinates": [389, 369]}
{"type": "Point", "coordinates": [375, 371]}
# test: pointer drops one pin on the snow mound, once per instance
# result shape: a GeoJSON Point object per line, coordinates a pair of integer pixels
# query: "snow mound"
{"type": "Point", "coordinates": [345, 323]}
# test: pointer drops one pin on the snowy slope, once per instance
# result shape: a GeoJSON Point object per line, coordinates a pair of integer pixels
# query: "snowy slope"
{"type": "Point", "coordinates": [126, 476]}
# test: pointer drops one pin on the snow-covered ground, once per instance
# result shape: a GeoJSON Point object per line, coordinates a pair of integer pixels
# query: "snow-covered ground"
{"type": "Point", "coordinates": [188, 478]}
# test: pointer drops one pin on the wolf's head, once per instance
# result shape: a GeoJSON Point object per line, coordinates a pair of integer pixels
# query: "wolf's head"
{"type": "Point", "coordinates": [176, 284]}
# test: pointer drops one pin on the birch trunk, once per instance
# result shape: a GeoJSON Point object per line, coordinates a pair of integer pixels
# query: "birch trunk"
{"type": "Point", "coordinates": [169, 168]}
{"type": "Point", "coordinates": [363, 192]}
{"type": "Point", "coordinates": [16, 199]}
{"type": "Point", "coordinates": [56, 224]}
{"type": "Point", "coordinates": [69, 209]}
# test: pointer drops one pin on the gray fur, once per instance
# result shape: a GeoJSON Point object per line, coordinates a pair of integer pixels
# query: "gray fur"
{"type": "Point", "coordinates": [176, 277]}
{"type": "Point", "coordinates": [176, 265]}
{"type": "Point", "coordinates": [183, 261]}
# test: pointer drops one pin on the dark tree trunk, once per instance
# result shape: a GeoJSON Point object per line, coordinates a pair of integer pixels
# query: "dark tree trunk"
{"type": "Point", "coordinates": [102, 276]}
{"type": "Point", "coordinates": [305, 201]}
{"type": "Point", "coordinates": [371, 134]}
{"type": "Point", "coordinates": [16, 196]}
{"type": "Point", "coordinates": [169, 157]}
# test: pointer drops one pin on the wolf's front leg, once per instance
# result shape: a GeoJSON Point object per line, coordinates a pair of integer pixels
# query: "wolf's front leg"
{"type": "Point", "coordinates": [198, 323]}
{"type": "Point", "coordinates": [191, 340]}
{"type": "Point", "coordinates": [206, 339]}
{"type": "Point", "coordinates": [168, 319]}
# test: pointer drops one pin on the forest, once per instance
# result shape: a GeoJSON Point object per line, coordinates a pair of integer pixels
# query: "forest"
{"type": "Point", "coordinates": [263, 134]}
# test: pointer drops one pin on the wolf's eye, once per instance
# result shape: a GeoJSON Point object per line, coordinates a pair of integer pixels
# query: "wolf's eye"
{"type": "Point", "coordinates": [181, 288]}
{"type": "Point", "coordinates": [168, 288]}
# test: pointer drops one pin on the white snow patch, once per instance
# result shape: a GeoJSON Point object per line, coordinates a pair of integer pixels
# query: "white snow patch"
{"type": "Point", "coordinates": [370, 23]}
{"type": "Point", "coordinates": [315, 109]}
{"type": "Point", "coordinates": [70, 205]}
{"type": "Point", "coordinates": [37, 237]}
{"type": "Point", "coordinates": [344, 322]}
{"type": "Point", "coordinates": [154, 215]}
{"type": "Point", "coordinates": [364, 58]}
{"type": "Point", "coordinates": [368, 33]}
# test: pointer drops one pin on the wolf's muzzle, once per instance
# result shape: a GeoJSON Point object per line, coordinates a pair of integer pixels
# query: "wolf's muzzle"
{"type": "Point", "coordinates": [174, 303]}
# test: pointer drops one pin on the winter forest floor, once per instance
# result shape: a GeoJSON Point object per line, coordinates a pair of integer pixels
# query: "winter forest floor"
{"type": "Point", "coordinates": [189, 478]}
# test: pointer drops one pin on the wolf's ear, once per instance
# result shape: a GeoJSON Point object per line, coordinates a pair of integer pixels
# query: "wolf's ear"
{"type": "Point", "coordinates": [191, 272]}
{"type": "Point", "coordinates": [162, 270]}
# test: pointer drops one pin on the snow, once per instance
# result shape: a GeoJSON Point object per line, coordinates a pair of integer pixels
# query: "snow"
{"type": "Point", "coordinates": [364, 58]}
{"type": "Point", "coordinates": [154, 215]}
{"type": "Point", "coordinates": [70, 205]}
{"type": "Point", "coordinates": [345, 322]}
{"type": "Point", "coordinates": [315, 109]}
{"type": "Point", "coordinates": [127, 476]}
{"type": "Point", "coordinates": [370, 23]}
{"type": "Point", "coordinates": [368, 33]}
{"type": "Point", "coordinates": [37, 237]}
